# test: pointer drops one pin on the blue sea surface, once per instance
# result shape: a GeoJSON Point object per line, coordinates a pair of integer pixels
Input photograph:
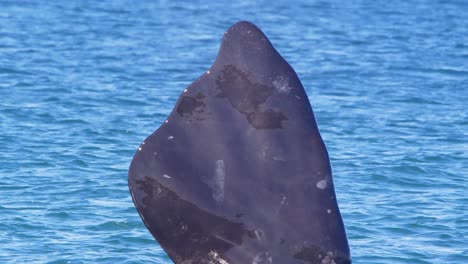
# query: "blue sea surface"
{"type": "Point", "coordinates": [83, 83]}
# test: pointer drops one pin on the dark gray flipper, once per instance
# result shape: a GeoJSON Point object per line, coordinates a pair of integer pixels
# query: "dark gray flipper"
{"type": "Point", "coordinates": [239, 173]}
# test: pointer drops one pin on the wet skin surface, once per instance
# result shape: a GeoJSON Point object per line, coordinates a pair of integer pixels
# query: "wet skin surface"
{"type": "Point", "coordinates": [239, 173]}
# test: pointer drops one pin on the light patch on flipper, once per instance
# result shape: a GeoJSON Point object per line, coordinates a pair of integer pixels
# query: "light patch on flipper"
{"type": "Point", "coordinates": [281, 83]}
{"type": "Point", "coordinates": [328, 258]}
{"type": "Point", "coordinates": [322, 184]}
{"type": "Point", "coordinates": [218, 184]}
{"type": "Point", "coordinates": [214, 256]}
{"type": "Point", "coordinates": [284, 201]}
{"type": "Point", "coordinates": [262, 258]}
{"type": "Point", "coordinates": [278, 158]}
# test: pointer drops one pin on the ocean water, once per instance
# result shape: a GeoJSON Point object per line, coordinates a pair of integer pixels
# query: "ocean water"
{"type": "Point", "coordinates": [83, 83]}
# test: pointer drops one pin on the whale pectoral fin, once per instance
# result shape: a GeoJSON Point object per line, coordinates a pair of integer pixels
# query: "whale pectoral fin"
{"type": "Point", "coordinates": [239, 173]}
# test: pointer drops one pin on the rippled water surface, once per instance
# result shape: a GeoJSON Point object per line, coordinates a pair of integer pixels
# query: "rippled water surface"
{"type": "Point", "coordinates": [83, 83]}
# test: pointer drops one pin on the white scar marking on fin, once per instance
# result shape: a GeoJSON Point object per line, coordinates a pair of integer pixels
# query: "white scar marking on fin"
{"type": "Point", "coordinates": [215, 256]}
{"type": "Point", "coordinates": [328, 259]}
{"type": "Point", "coordinates": [322, 184]}
{"type": "Point", "coordinates": [167, 121]}
{"type": "Point", "coordinates": [257, 234]}
{"type": "Point", "coordinates": [262, 257]}
{"type": "Point", "coordinates": [225, 240]}
{"type": "Point", "coordinates": [283, 201]}
{"type": "Point", "coordinates": [170, 137]}
{"type": "Point", "coordinates": [208, 71]}
{"type": "Point", "coordinates": [218, 184]}
{"type": "Point", "coordinates": [329, 211]}
{"type": "Point", "coordinates": [278, 158]}
{"type": "Point", "coordinates": [166, 176]}
{"type": "Point", "coordinates": [282, 84]}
